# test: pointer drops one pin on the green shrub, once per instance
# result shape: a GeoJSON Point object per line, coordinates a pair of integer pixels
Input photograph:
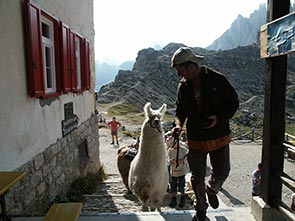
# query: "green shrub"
{"type": "Point", "coordinates": [81, 186]}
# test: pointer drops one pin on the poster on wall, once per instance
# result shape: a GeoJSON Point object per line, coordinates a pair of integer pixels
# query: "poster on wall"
{"type": "Point", "coordinates": [277, 37]}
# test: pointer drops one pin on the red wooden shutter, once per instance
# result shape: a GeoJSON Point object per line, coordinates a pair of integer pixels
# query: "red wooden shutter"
{"type": "Point", "coordinates": [57, 55]}
{"type": "Point", "coordinates": [83, 72]}
{"type": "Point", "coordinates": [35, 63]}
{"type": "Point", "coordinates": [65, 56]}
{"type": "Point", "coordinates": [73, 61]}
{"type": "Point", "coordinates": [87, 73]}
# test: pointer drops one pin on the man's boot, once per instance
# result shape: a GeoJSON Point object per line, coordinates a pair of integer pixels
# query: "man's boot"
{"type": "Point", "coordinates": [200, 216]}
{"type": "Point", "coordinates": [212, 198]}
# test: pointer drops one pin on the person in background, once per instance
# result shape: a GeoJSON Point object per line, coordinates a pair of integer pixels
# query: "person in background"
{"type": "Point", "coordinates": [292, 206]}
{"type": "Point", "coordinates": [256, 180]}
{"type": "Point", "coordinates": [206, 101]}
{"type": "Point", "coordinates": [114, 124]}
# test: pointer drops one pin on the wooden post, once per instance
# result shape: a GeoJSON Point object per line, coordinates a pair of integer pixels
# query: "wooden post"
{"type": "Point", "coordinates": [274, 116]}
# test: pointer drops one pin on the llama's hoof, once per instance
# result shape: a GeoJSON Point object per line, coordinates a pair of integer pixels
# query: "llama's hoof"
{"type": "Point", "coordinates": [153, 209]}
{"type": "Point", "coordinates": [145, 208]}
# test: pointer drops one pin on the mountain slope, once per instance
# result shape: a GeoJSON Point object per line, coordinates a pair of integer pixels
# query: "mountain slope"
{"type": "Point", "coordinates": [153, 78]}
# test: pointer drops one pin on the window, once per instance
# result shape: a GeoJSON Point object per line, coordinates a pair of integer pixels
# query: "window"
{"type": "Point", "coordinates": [48, 55]}
{"type": "Point", "coordinates": [83, 154]}
{"type": "Point", "coordinates": [58, 57]}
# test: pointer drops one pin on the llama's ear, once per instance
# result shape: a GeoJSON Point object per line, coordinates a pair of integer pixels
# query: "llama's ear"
{"type": "Point", "coordinates": [147, 108]}
{"type": "Point", "coordinates": [163, 109]}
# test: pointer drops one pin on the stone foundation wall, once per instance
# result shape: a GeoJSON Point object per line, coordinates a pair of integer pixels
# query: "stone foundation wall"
{"type": "Point", "coordinates": [50, 173]}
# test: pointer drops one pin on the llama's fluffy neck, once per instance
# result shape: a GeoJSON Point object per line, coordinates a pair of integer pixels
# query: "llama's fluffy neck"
{"type": "Point", "coordinates": [152, 141]}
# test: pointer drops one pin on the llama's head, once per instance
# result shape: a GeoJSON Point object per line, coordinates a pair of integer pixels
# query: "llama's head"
{"type": "Point", "coordinates": [153, 118]}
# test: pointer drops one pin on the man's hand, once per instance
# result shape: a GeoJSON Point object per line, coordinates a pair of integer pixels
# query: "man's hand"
{"type": "Point", "coordinates": [213, 119]}
{"type": "Point", "coordinates": [176, 131]}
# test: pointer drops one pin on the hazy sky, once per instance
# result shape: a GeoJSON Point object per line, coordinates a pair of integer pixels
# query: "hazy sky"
{"type": "Point", "coordinates": [123, 27]}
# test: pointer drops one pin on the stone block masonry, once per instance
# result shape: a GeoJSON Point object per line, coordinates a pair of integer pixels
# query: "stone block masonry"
{"type": "Point", "coordinates": [51, 172]}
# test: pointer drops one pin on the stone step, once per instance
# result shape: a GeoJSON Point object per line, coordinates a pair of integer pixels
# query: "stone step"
{"type": "Point", "coordinates": [229, 214]}
{"type": "Point", "coordinates": [115, 203]}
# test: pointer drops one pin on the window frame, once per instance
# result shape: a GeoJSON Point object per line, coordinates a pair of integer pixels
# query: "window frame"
{"type": "Point", "coordinates": [48, 43]}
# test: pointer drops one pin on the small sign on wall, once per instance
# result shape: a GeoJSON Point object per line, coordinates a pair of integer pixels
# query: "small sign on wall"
{"type": "Point", "coordinates": [277, 37]}
{"type": "Point", "coordinates": [70, 122]}
{"type": "Point", "coordinates": [68, 110]}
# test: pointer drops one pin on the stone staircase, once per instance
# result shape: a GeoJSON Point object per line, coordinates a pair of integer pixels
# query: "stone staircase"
{"type": "Point", "coordinates": [111, 202]}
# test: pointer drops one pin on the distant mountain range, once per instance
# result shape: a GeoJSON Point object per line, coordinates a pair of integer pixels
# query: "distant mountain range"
{"type": "Point", "coordinates": [105, 73]}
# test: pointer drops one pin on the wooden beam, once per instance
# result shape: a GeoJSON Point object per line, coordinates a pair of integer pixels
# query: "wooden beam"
{"type": "Point", "coordinates": [274, 116]}
{"type": "Point", "coordinates": [274, 130]}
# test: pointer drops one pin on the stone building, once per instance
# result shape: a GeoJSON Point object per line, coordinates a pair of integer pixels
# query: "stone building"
{"type": "Point", "coordinates": [48, 125]}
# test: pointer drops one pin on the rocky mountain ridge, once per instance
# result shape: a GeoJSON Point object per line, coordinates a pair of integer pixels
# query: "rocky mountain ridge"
{"type": "Point", "coordinates": [153, 80]}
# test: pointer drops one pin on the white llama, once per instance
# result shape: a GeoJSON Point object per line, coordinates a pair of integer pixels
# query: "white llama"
{"type": "Point", "coordinates": [148, 175]}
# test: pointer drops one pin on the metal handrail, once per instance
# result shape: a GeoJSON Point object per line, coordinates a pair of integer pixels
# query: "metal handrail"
{"type": "Point", "coordinates": [253, 135]}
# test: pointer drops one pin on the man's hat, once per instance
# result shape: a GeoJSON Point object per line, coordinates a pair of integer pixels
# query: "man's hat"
{"type": "Point", "coordinates": [185, 54]}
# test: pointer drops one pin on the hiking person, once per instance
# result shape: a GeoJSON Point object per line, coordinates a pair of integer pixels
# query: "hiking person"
{"type": "Point", "coordinates": [114, 124]}
{"type": "Point", "coordinates": [292, 206]}
{"type": "Point", "coordinates": [256, 180]}
{"type": "Point", "coordinates": [205, 101]}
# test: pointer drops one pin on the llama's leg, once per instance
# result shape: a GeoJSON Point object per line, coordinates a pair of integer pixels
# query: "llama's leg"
{"type": "Point", "coordinates": [124, 167]}
{"type": "Point", "coordinates": [145, 203]}
{"type": "Point", "coordinates": [125, 181]}
{"type": "Point", "coordinates": [144, 197]}
{"type": "Point", "coordinates": [145, 207]}
{"type": "Point", "coordinates": [156, 202]}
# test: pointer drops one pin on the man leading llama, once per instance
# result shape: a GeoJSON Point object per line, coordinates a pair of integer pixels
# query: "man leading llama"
{"type": "Point", "coordinates": [206, 101]}
{"type": "Point", "coordinates": [148, 175]}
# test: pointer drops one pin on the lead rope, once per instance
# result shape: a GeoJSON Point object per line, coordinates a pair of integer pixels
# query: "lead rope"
{"type": "Point", "coordinates": [176, 141]}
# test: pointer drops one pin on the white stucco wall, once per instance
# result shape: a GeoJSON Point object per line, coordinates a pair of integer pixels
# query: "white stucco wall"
{"type": "Point", "coordinates": [27, 128]}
